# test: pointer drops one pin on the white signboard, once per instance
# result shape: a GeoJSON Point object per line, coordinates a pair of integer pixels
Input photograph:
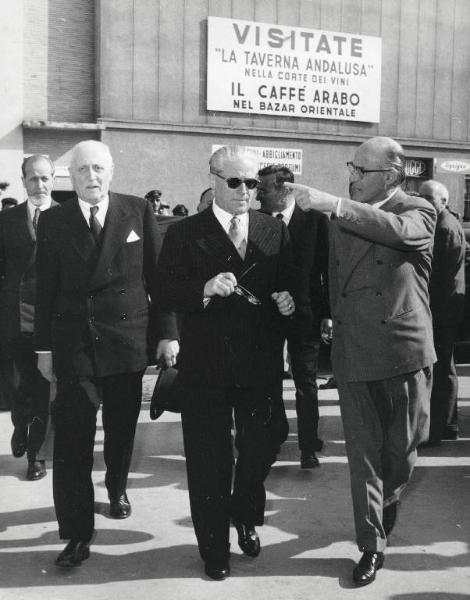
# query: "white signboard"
{"type": "Point", "coordinates": [452, 165]}
{"type": "Point", "coordinates": [285, 71]}
{"type": "Point", "coordinates": [287, 157]}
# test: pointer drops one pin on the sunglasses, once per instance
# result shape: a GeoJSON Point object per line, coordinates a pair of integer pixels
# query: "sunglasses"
{"type": "Point", "coordinates": [234, 182]}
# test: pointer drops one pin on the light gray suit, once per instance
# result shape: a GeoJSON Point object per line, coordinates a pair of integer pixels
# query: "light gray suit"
{"type": "Point", "coordinates": [380, 263]}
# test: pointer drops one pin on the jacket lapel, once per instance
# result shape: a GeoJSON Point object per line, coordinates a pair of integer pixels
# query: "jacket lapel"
{"type": "Point", "coordinates": [80, 233]}
{"type": "Point", "coordinates": [115, 231]}
{"type": "Point", "coordinates": [215, 242]}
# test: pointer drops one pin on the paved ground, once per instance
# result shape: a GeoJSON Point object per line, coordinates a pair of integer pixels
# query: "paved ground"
{"type": "Point", "coordinates": [308, 549]}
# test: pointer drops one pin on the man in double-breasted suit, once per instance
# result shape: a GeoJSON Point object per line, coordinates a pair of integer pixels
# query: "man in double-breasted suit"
{"type": "Point", "coordinates": [96, 262]}
{"type": "Point", "coordinates": [226, 271]}
{"type": "Point", "coordinates": [29, 390]}
{"type": "Point", "coordinates": [308, 232]}
{"type": "Point", "coordinates": [382, 353]}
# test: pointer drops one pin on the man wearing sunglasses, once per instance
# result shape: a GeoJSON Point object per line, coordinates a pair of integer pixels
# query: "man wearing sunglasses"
{"type": "Point", "coordinates": [309, 235]}
{"type": "Point", "coordinates": [382, 352]}
{"type": "Point", "coordinates": [226, 271]}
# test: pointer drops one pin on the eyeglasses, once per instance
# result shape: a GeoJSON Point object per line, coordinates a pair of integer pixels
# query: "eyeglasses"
{"type": "Point", "coordinates": [241, 291]}
{"type": "Point", "coordinates": [234, 182]}
{"type": "Point", "coordinates": [360, 171]}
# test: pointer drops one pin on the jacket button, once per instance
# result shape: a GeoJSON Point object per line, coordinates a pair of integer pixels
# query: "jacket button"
{"type": "Point", "coordinates": [97, 339]}
{"type": "Point", "coordinates": [124, 316]}
{"type": "Point", "coordinates": [91, 319]}
{"type": "Point", "coordinates": [378, 293]}
{"type": "Point", "coordinates": [122, 292]}
{"type": "Point", "coordinates": [90, 296]}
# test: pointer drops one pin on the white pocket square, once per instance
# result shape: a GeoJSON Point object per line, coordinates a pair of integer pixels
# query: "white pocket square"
{"type": "Point", "coordinates": [132, 237]}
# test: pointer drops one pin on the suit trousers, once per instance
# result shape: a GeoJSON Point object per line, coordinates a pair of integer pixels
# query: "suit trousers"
{"type": "Point", "coordinates": [261, 427]}
{"type": "Point", "coordinates": [384, 421]}
{"type": "Point", "coordinates": [304, 363]}
{"type": "Point", "coordinates": [74, 417]}
{"type": "Point", "coordinates": [29, 395]}
{"type": "Point", "coordinates": [445, 382]}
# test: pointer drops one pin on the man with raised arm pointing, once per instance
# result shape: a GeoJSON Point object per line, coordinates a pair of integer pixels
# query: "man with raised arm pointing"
{"type": "Point", "coordinates": [382, 352]}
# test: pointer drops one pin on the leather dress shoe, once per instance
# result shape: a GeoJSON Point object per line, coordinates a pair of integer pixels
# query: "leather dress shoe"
{"type": "Point", "coordinates": [19, 441]}
{"type": "Point", "coordinates": [120, 508]}
{"type": "Point", "coordinates": [73, 554]}
{"type": "Point", "coordinates": [390, 517]}
{"type": "Point", "coordinates": [365, 570]}
{"type": "Point", "coordinates": [36, 470]}
{"type": "Point", "coordinates": [329, 385]}
{"type": "Point", "coordinates": [248, 539]}
{"type": "Point", "coordinates": [217, 569]}
{"type": "Point", "coordinates": [308, 460]}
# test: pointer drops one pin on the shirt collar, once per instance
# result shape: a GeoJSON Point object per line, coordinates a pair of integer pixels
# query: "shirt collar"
{"type": "Point", "coordinates": [288, 211]}
{"type": "Point", "coordinates": [382, 202]}
{"type": "Point", "coordinates": [32, 207]}
{"type": "Point", "coordinates": [224, 217]}
{"type": "Point", "coordinates": [102, 209]}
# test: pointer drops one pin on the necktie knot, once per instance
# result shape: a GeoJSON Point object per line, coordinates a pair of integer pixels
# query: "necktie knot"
{"type": "Point", "coordinates": [280, 216]}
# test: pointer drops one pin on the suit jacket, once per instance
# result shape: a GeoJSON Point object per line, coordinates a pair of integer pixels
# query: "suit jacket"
{"type": "Point", "coordinates": [230, 342]}
{"type": "Point", "coordinates": [17, 275]}
{"type": "Point", "coordinates": [447, 285]}
{"type": "Point", "coordinates": [380, 265]}
{"type": "Point", "coordinates": [309, 236]}
{"type": "Point", "coordinates": [92, 307]}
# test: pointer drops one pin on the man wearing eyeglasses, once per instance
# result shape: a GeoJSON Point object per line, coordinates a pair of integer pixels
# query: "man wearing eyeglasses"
{"type": "Point", "coordinates": [227, 270]}
{"type": "Point", "coordinates": [382, 352]}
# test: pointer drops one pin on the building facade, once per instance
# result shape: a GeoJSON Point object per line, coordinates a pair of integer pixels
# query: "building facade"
{"type": "Point", "coordinates": [134, 73]}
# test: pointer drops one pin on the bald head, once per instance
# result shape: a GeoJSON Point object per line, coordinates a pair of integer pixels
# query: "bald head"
{"type": "Point", "coordinates": [436, 193]}
{"type": "Point", "coordinates": [378, 168]}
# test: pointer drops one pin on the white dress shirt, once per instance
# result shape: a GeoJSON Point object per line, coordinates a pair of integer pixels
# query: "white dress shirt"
{"type": "Point", "coordinates": [100, 216]}
{"type": "Point", "coordinates": [225, 217]}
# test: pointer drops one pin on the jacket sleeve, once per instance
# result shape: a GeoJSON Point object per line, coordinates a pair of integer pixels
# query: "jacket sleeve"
{"type": "Point", "coordinates": [410, 230]}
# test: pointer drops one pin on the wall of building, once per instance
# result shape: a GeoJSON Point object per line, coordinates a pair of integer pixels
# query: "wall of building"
{"type": "Point", "coordinates": [11, 94]}
{"type": "Point", "coordinates": [153, 62]}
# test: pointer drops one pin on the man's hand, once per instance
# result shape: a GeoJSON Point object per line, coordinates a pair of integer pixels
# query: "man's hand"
{"type": "Point", "coordinates": [167, 351]}
{"type": "Point", "coordinates": [285, 303]}
{"type": "Point", "coordinates": [222, 284]}
{"type": "Point", "coordinates": [309, 198]}
{"type": "Point", "coordinates": [326, 330]}
{"type": "Point", "coordinates": [45, 366]}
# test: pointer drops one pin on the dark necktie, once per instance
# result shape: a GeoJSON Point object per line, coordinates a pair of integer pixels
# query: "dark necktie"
{"type": "Point", "coordinates": [235, 233]}
{"type": "Point", "coordinates": [37, 213]}
{"type": "Point", "coordinates": [95, 226]}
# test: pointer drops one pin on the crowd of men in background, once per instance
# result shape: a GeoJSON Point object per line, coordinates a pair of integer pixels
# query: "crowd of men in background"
{"type": "Point", "coordinates": [378, 275]}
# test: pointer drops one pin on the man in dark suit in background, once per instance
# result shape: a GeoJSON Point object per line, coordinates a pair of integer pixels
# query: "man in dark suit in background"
{"type": "Point", "coordinates": [382, 351]}
{"type": "Point", "coordinates": [227, 270]}
{"type": "Point", "coordinates": [29, 390]}
{"type": "Point", "coordinates": [96, 261]}
{"type": "Point", "coordinates": [447, 294]}
{"type": "Point", "coordinates": [309, 236]}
